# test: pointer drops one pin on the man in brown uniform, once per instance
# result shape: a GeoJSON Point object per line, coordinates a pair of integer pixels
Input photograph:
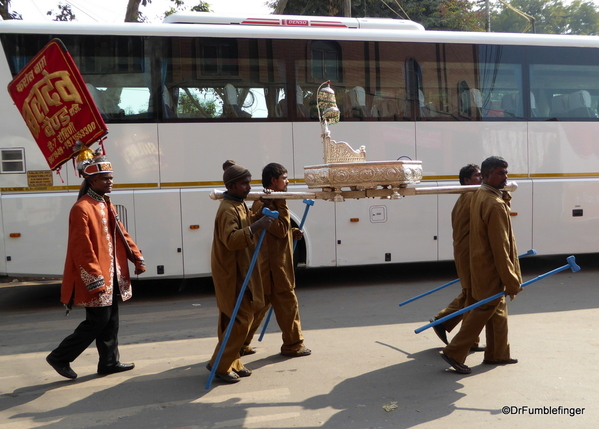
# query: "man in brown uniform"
{"type": "Point", "coordinates": [276, 267]}
{"type": "Point", "coordinates": [460, 222]}
{"type": "Point", "coordinates": [233, 246]}
{"type": "Point", "coordinates": [494, 268]}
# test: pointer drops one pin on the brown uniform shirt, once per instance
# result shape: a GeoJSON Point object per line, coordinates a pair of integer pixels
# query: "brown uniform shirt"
{"type": "Point", "coordinates": [493, 252]}
{"type": "Point", "coordinates": [233, 246]}
{"type": "Point", "coordinates": [276, 254]}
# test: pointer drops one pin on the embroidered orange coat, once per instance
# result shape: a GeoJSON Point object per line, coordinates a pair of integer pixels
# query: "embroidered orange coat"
{"type": "Point", "coordinates": [95, 250]}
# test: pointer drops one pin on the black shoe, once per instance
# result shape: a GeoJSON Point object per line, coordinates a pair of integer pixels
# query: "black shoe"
{"type": "Point", "coordinates": [440, 331]}
{"type": "Point", "coordinates": [119, 367]}
{"type": "Point", "coordinates": [63, 368]}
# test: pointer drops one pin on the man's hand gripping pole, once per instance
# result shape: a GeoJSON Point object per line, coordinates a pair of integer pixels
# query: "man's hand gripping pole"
{"type": "Point", "coordinates": [265, 212]}
{"type": "Point", "coordinates": [308, 203]}
{"type": "Point", "coordinates": [571, 263]}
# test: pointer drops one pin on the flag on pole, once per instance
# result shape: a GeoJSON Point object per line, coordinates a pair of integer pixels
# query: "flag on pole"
{"type": "Point", "coordinates": [56, 105]}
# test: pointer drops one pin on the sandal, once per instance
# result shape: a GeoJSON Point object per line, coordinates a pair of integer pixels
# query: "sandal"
{"type": "Point", "coordinates": [247, 350]}
{"type": "Point", "coordinates": [244, 372]}
{"type": "Point", "coordinates": [301, 352]}
{"type": "Point", "coordinates": [232, 377]}
{"type": "Point", "coordinates": [459, 368]}
{"type": "Point", "coordinates": [500, 362]}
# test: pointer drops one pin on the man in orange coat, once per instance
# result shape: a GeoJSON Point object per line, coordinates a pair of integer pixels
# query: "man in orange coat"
{"type": "Point", "coordinates": [96, 272]}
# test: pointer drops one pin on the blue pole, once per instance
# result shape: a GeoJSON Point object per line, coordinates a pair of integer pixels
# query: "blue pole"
{"type": "Point", "coordinates": [309, 203]}
{"type": "Point", "coordinates": [529, 253]}
{"type": "Point", "coordinates": [266, 212]}
{"type": "Point", "coordinates": [571, 264]}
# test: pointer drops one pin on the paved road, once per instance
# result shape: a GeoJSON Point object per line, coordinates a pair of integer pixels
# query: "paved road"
{"type": "Point", "coordinates": [365, 358]}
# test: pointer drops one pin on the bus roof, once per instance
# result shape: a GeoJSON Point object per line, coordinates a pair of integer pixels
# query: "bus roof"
{"type": "Point", "coordinates": [295, 21]}
{"type": "Point", "coordinates": [367, 32]}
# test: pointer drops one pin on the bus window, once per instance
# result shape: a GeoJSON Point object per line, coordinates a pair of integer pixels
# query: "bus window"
{"type": "Point", "coordinates": [557, 91]}
{"type": "Point", "coordinates": [220, 79]}
{"type": "Point", "coordinates": [325, 61]}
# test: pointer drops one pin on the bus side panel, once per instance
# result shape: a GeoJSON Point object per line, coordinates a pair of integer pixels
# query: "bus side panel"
{"type": "Point", "coordinates": [197, 210]}
{"type": "Point", "coordinates": [446, 203]}
{"type": "Point", "coordinates": [319, 230]}
{"type": "Point", "coordinates": [522, 215]}
{"type": "Point", "coordinates": [196, 152]}
{"type": "Point", "coordinates": [566, 216]}
{"type": "Point", "coordinates": [445, 147]}
{"type": "Point", "coordinates": [563, 148]}
{"type": "Point", "coordinates": [158, 232]}
{"type": "Point", "coordinates": [42, 222]}
{"type": "Point", "coordinates": [374, 231]}
{"type": "Point", "coordinates": [3, 246]}
{"type": "Point", "coordinates": [133, 151]}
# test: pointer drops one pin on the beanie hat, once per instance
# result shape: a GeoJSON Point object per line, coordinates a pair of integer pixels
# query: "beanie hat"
{"type": "Point", "coordinates": [233, 172]}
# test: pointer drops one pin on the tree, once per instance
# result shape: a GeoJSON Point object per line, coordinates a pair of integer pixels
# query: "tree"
{"type": "Point", "coordinates": [552, 17]}
{"type": "Point", "coordinates": [134, 15]}
{"type": "Point", "coordinates": [433, 14]}
{"type": "Point", "coordinates": [583, 18]}
{"type": "Point", "coordinates": [5, 12]}
{"type": "Point", "coordinates": [179, 6]}
{"type": "Point", "coordinates": [65, 13]}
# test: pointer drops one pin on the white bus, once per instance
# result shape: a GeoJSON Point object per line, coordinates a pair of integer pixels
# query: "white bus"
{"type": "Point", "coordinates": [183, 96]}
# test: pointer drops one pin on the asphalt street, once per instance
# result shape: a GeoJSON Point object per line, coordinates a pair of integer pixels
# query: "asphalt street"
{"type": "Point", "coordinates": [368, 368]}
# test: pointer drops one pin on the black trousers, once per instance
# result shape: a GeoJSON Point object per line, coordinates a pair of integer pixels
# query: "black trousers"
{"type": "Point", "coordinates": [101, 324]}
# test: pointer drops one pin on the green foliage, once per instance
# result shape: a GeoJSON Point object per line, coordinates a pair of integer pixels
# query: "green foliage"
{"type": "Point", "coordinates": [552, 17]}
{"type": "Point", "coordinates": [64, 13]}
{"type": "Point", "coordinates": [433, 14]}
{"type": "Point", "coordinates": [189, 102]}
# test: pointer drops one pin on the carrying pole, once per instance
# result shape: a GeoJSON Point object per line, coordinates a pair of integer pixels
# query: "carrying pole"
{"type": "Point", "coordinates": [571, 264]}
{"type": "Point", "coordinates": [265, 212]}
{"type": "Point", "coordinates": [309, 203]}
{"type": "Point", "coordinates": [529, 253]}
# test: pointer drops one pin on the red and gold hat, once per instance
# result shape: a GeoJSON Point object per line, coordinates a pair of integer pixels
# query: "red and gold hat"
{"type": "Point", "coordinates": [90, 162]}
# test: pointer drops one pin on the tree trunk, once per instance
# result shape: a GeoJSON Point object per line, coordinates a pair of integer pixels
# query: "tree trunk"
{"type": "Point", "coordinates": [132, 14]}
{"type": "Point", "coordinates": [346, 7]}
{"type": "Point", "coordinates": [280, 7]}
{"type": "Point", "coordinates": [4, 10]}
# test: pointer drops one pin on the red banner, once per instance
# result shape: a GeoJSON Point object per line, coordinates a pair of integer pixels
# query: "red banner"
{"type": "Point", "coordinates": [52, 97]}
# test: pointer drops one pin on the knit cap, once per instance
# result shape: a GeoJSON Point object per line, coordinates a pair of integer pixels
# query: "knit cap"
{"type": "Point", "coordinates": [233, 172]}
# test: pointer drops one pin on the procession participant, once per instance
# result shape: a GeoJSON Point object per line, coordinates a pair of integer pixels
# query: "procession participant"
{"type": "Point", "coordinates": [495, 268]}
{"type": "Point", "coordinates": [460, 222]}
{"type": "Point", "coordinates": [276, 268]}
{"type": "Point", "coordinates": [233, 246]}
{"type": "Point", "coordinates": [96, 271]}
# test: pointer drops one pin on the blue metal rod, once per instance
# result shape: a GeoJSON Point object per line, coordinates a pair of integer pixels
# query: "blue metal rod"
{"type": "Point", "coordinates": [309, 203]}
{"type": "Point", "coordinates": [571, 264]}
{"type": "Point", "coordinates": [529, 253]}
{"type": "Point", "coordinates": [266, 212]}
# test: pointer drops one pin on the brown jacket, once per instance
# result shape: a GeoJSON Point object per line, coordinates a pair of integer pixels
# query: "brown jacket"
{"type": "Point", "coordinates": [276, 254]}
{"type": "Point", "coordinates": [95, 249]}
{"type": "Point", "coordinates": [493, 253]}
{"type": "Point", "coordinates": [460, 222]}
{"type": "Point", "coordinates": [232, 250]}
